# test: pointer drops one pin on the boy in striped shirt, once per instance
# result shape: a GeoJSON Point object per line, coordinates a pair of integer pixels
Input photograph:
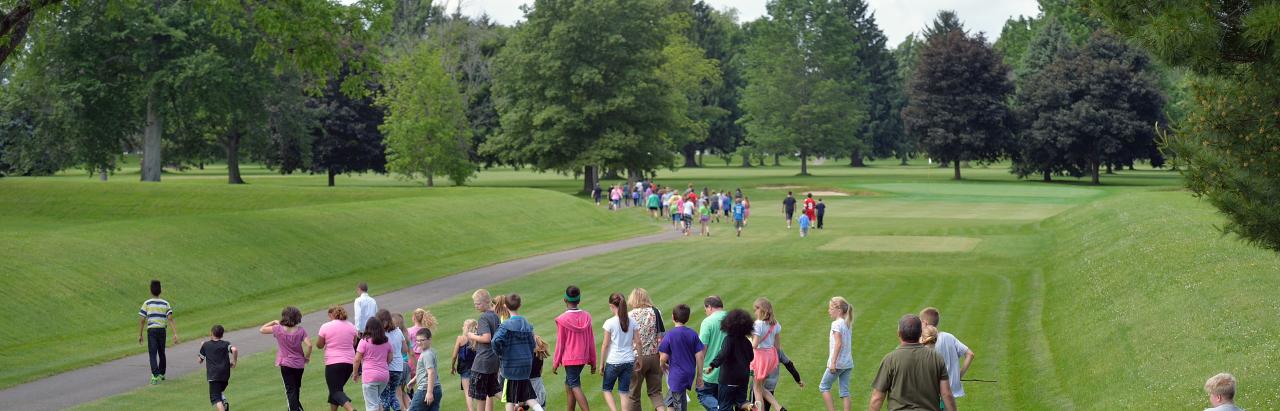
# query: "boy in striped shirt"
{"type": "Point", "coordinates": [156, 314]}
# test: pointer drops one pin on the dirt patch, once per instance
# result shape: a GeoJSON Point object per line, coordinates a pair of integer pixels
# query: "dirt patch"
{"type": "Point", "coordinates": [779, 187]}
{"type": "Point", "coordinates": [903, 244]}
{"type": "Point", "coordinates": [829, 194]}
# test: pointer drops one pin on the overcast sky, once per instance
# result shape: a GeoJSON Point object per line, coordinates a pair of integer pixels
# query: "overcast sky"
{"type": "Point", "coordinates": [896, 17]}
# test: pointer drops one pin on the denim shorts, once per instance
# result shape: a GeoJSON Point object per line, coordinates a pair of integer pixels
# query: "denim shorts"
{"type": "Point", "coordinates": [828, 379]}
{"type": "Point", "coordinates": [619, 373]}
{"type": "Point", "coordinates": [573, 376]}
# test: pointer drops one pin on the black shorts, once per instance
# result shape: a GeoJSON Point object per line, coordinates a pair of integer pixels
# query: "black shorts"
{"type": "Point", "coordinates": [519, 391]}
{"type": "Point", "coordinates": [790, 213]}
{"type": "Point", "coordinates": [216, 390]}
{"type": "Point", "coordinates": [484, 385]}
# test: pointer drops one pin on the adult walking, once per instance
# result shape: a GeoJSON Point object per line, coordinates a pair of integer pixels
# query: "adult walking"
{"type": "Point", "coordinates": [647, 322]}
{"type": "Point", "coordinates": [912, 377]}
{"type": "Point", "coordinates": [712, 339]}
{"type": "Point", "coordinates": [293, 352]}
{"type": "Point", "coordinates": [337, 338]}
{"type": "Point", "coordinates": [789, 208]}
{"type": "Point", "coordinates": [365, 306]}
{"type": "Point", "coordinates": [822, 211]}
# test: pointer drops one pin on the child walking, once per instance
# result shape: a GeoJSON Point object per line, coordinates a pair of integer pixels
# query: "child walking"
{"type": "Point", "coordinates": [421, 319]}
{"type": "Point", "coordinates": [764, 342]}
{"type": "Point", "coordinates": [155, 313]}
{"type": "Point", "coordinates": [541, 350]}
{"type": "Point", "coordinates": [704, 216]}
{"type": "Point", "coordinates": [426, 376]}
{"type": "Point", "coordinates": [373, 357]}
{"type": "Point", "coordinates": [514, 345]}
{"type": "Point", "coordinates": [464, 352]}
{"type": "Point", "coordinates": [218, 357]}
{"type": "Point", "coordinates": [393, 396]}
{"type": "Point", "coordinates": [739, 216]}
{"type": "Point", "coordinates": [804, 225]}
{"type": "Point", "coordinates": [734, 360]}
{"type": "Point", "coordinates": [484, 369]}
{"type": "Point", "coordinates": [839, 353]}
{"type": "Point", "coordinates": [681, 355]}
{"type": "Point", "coordinates": [618, 352]}
{"type": "Point", "coordinates": [576, 347]}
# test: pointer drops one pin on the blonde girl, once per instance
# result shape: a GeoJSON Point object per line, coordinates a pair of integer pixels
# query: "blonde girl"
{"type": "Point", "coordinates": [464, 352]}
{"type": "Point", "coordinates": [421, 319]}
{"type": "Point", "coordinates": [764, 342]}
{"type": "Point", "coordinates": [839, 353]}
{"type": "Point", "coordinates": [500, 308]}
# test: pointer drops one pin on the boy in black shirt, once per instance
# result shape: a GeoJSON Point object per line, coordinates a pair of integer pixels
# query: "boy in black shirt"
{"type": "Point", "coordinates": [219, 358]}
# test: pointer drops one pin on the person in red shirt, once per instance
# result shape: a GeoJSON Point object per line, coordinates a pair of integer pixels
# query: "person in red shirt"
{"type": "Point", "coordinates": [810, 207]}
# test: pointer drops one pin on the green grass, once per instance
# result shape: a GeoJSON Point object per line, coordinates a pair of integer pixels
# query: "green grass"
{"type": "Point", "coordinates": [1075, 296]}
{"type": "Point", "coordinates": [75, 251]}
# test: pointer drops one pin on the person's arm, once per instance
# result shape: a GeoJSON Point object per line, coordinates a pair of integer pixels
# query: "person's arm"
{"type": "Point", "coordinates": [306, 349]}
{"type": "Point", "coordinates": [320, 342]}
{"type": "Point", "coordinates": [355, 365]}
{"type": "Point", "coordinates": [944, 387]}
{"type": "Point", "coordinates": [200, 355]}
{"type": "Point", "coordinates": [404, 347]}
{"type": "Point", "coordinates": [699, 358]}
{"type": "Point", "coordinates": [142, 327]}
{"type": "Point", "coordinates": [500, 340]}
{"type": "Point", "coordinates": [835, 354]}
{"type": "Point", "coordinates": [877, 401]}
{"type": "Point", "coordinates": [269, 327]}
{"type": "Point", "coordinates": [604, 348]}
{"type": "Point", "coordinates": [665, 360]}
{"type": "Point", "coordinates": [235, 356]}
{"type": "Point", "coordinates": [453, 361]}
{"type": "Point", "coordinates": [173, 326]}
{"type": "Point", "coordinates": [431, 383]}
{"type": "Point", "coordinates": [968, 359]}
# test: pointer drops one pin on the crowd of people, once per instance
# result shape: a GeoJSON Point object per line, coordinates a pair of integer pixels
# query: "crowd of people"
{"type": "Point", "coordinates": [685, 206]}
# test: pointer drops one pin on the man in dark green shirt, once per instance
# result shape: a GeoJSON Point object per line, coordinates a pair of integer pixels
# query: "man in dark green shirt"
{"type": "Point", "coordinates": [913, 377]}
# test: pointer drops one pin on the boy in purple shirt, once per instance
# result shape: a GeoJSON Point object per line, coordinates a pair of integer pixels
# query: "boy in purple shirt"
{"type": "Point", "coordinates": [681, 355]}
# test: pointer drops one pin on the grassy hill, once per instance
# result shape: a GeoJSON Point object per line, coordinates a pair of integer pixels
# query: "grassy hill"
{"type": "Point", "coordinates": [78, 255]}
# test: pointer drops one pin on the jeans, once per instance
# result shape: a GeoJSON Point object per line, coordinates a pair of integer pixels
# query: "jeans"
{"type": "Point", "coordinates": [828, 379]}
{"type": "Point", "coordinates": [573, 376]}
{"type": "Point", "coordinates": [730, 396]}
{"type": "Point", "coordinates": [155, 349]}
{"type": "Point", "coordinates": [292, 385]}
{"type": "Point", "coordinates": [372, 392]}
{"type": "Point", "coordinates": [619, 373]}
{"type": "Point", "coordinates": [707, 396]}
{"type": "Point", "coordinates": [421, 395]}
{"type": "Point", "coordinates": [388, 396]}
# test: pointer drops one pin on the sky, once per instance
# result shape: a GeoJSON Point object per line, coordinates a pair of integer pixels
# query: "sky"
{"type": "Point", "coordinates": [897, 18]}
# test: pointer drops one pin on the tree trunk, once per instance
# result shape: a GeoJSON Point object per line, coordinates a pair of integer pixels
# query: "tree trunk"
{"type": "Point", "coordinates": [855, 158]}
{"type": "Point", "coordinates": [1095, 167]}
{"type": "Point", "coordinates": [760, 161]}
{"type": "Point", "coordinates": [200, 166]}
{"type": "Point", "coordinates": [904, 160]}
{"type": "Point", "coordinates": [777, 160]}
{"type": "Point", "coordinates": [804, 163]}
{"type": "Point", "coordinates": [232, 144]}
{"type": "Point", "coordinates": [746, 160]}
{"type": "Point", "coordinates": [690, 155]}
{"type": "Point", "coordinates": [151, 140]}
{"type": "Point", "coordinates": [957, 168]}
{"type": "Point", "coordinates": [588, 178]}
{"type": "Point", "coordinates": [1109, 171]}
{"type": "Point", "coordinates": [102, 173]}
{"type": "Point", "coordinates": [431, 179]}
{"type": "Point", "coordinates": [1048, 176]}
{"type": "Point", "coordinates": [331, 174]}
{"type": "Point", "coordinates": [700, 155]}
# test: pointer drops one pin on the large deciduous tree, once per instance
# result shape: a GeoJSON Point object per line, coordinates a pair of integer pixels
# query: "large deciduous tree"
{"type": "Point", "coordinates": [880, 134]}
{"type": "Point", "coordinates": [958, 97]}
{"type": "Point", "coordinates": [347, 139]}
{"type": "Point", "coordinates": [425, 124]}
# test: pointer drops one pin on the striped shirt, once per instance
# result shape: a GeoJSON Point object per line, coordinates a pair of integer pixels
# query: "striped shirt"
{"type": "Point", "coordinates": [156, 311]}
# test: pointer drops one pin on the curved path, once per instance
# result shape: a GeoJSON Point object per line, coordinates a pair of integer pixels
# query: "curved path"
{"type": "Point", "coordinates": [103, 380]}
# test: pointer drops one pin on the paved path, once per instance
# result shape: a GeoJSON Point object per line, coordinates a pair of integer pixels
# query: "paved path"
{"type": "Point", "coordinates": [99, 381]}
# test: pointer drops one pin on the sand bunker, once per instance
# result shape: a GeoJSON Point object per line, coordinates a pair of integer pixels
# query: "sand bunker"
{"type": "Point", "coordinates": [829, 194]}
{"type": "Point", "coordinates": [903, 244]}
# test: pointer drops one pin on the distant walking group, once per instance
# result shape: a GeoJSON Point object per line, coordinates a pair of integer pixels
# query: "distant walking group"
{"type": "Point", "coordinates": [684, 206]}
{"type": "Point", "coordinates": [812, 214]}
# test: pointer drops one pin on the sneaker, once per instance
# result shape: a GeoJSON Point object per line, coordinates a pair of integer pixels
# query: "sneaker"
{"type": "Point", "coordinates": [161, 377]}
{"type": "Point", "coordinates": [155, 379]}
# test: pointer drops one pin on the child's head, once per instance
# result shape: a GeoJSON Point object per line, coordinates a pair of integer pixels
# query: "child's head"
{"type": "Point", "coordinates": [737, 323]}
{"type": "Point", "coordinates": [764, 310]}
{"type": "Point", "coordinates": [290, 316]}
{"type": "Point", "coordinates": [618, 304]}
{"type": "Point", "coordinates": [513, 303]}
{"type": "Point", "coordinates": [398, 320]}
{"type": "Point", "coordinates": [155, 288]}
{"type": "Point", "coordinates": [572, 296]}
{"type": "Point", "coordinates": [840, 308]}
{"type": "Point", "coordinates": [470, 326]}
{"type": "Point", "coordinates": [384, 317]}
{"type": "Point", "coordinates": [422, 338]}
{"type": "Point", "coordinates": [374, 331]}
{"type": "Point", "coordinates": [929, 315]}
{"type": "Point", "coordinates": [217, 331]}
{"type": "Point", "coordinates": [480, 300]}
{"type": "Point", "coordinates": [639, 298]}
{"type": "Point", "coordinates": [500, 307]}
{"type": "Point", "coordinates": [680, 314]}
{"type": "Point", "coordinates": [929, 335]}
{"type": "Point", "coordinates": [541, 349]}
{"type": "Point", "coordinates": [424, 318]}
{"type": "Point", "coordinates": [337, 313]}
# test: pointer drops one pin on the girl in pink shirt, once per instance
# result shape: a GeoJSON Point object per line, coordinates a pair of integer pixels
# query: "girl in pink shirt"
{"type": "Point", "coordinates": [373, 358]}
{"type": "Point", "coordinates": [337, 338]}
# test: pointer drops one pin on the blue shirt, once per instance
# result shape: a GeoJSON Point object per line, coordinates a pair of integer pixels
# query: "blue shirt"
{"type": "Point", "coordinates": [738, 211]}
{"type": "Point", "coordinates": [804, 221]}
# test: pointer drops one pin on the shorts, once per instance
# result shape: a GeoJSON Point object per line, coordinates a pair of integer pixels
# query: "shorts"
{"type": "Point", "coordinates": [573, 376]}
{"type": "Point", "coordinates": [705, 218]}
{"type": "Point", "coordinates": [217, 390]}
{"type": "Point", "coordinates": [828, 378]}
{"type": "Point", "coordinates": [688, 218]}
{"type": "Point", "coordinates": [417, 403]}
{"type": "Point", "coordinates": [790, 213]}
{"type": "Point", "coordinates": [540, 390]}
{"type": "Point", "coordinates": [484, 385]}
{"type": "Point", "coordinates": [737, 224]}
{"type": "Point", "coordinates": [620, 374]}
{"type": "Point", "coordinates": [677, 400]}
{"type": "Point", "coordinates": [520, 391]}
{"type": "Point", "coordinates": [653, 209]}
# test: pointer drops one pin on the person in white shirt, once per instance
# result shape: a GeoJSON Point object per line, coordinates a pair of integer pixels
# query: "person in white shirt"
{"type": "Point", "coordinates": [951, 350]}
{"type": "Point", "coordinates": [1222, 392]}
{"type": "Point", "coordinates": [365, 306]}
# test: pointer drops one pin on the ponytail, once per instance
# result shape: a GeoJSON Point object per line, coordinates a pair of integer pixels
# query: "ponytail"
{"type": "Point", "coordinates": [846, 310]}
{"type": "Point", "coordinates": [624, 320]}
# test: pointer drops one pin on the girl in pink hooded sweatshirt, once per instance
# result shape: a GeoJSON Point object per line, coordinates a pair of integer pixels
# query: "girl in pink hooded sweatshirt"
{"type": "Point", "coordinates": [575, 347]}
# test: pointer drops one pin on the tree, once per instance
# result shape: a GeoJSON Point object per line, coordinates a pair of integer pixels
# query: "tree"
{"type": "Point", "coordinates": [720, 36]}
{"type": "Point", "coordinates": [1228, 139]}
{"type": "Point", "coordinates": [1015, 36]}
{"type": "Point", "coordinates": [16, 17]}
{"type": "Point", "coordinates": [906, 55]}
{"type": "Point", "coordinates": [425, 123]}
{"type": "Point", "coordinates": [1037, 147]}
{"type": "Point", "coordinates": [958, 98]}
{"type": "Point", "coordinates": [694, 76]}
{"type": "Point", "coordinates": [347, 139]}
{"type": "Point", "coordinates": [877, 69]}
{"type": "Point", "coordinates": [577, 88]}
{"type": "Point", "coordinates": [1043, 48]}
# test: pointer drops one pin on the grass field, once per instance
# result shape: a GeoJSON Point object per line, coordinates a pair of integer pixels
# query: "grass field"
{"type": "Point", "coordinates": [1072, 296]}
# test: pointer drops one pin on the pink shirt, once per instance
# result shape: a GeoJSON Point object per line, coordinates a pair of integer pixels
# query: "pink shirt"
{"type": "Point", "coordinates": [416, 350]}
{"type": "Point", "coordinates": [289, 353]}
{"type": "Point", "coordinates": [339, 338]}
{"type": "Point", "coordinates": [374, 365]}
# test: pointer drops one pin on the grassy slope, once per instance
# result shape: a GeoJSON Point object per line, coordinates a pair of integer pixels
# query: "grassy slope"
{"type": "Point", "coordinates": [228, 254]}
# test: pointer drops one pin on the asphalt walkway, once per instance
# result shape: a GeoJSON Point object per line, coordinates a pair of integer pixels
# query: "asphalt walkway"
{"type": "Point", "coordinates": [114, 377]}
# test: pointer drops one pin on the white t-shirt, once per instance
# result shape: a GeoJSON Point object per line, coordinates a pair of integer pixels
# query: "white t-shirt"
{"type": "Point", "coordinates": [688, 208]}
{"type": "Point", "coordinates": [620, 349]}
{"type": "Point", "coordinates": [845, 359]}
{"type": "Point", "coordinates": [759, 330]}
{"type": "Point", "coordinates": [952, 350]}
{"type": "Point", "coordinates": [396, 339]}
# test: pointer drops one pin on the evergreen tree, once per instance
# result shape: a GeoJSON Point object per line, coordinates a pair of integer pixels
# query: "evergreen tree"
{"type": "Point", "coordinates": [719, 34]}
{"type": "Point", "coordinates": [347, 139]}
{"type": "Point", "coordinates": [1043, 48]}
{"type": "Point", "coordinates": [958, 98]}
